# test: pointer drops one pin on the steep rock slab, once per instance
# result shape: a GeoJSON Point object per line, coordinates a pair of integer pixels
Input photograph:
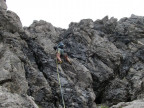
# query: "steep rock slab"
{"type": "Point", "coordinates": [45, 34]}
{"type": "Point", "coordinates": [12, 68]}
{"type": "Point", "coordinates": [13, 100]}
{"type": "Point", "coordinates": [133, 104]}
{"type": "Point", "coordinates": [106, 51]}
{"type": "Point", "coordinates": [79, 95]}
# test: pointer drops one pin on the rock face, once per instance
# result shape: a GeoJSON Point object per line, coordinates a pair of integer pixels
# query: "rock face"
{"type": "Point", "coordinates": [133, 104]}
{"type": "Point", "coordinates": [3, 6]}
{"type": "Point", "coordinates": [107, 63]}
{"type": "Point", "coordinates": [10, 100]}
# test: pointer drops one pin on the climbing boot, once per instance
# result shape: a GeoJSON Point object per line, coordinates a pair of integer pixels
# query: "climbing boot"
{"type": "Point", "coordinates": [59, 62]}
{"type": "Point", "coordinates": [70, 63]}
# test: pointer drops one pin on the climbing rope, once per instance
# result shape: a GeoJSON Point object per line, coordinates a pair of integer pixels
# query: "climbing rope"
{"type": "Point", "coordinates": [60, 85]}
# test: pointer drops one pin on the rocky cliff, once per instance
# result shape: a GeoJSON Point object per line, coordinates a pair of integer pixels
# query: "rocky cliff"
{"type": "Point", "coordinates": [107, 63]}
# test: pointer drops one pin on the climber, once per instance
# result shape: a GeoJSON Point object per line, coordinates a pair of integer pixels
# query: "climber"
{"type": "Point", "coordinates": [60, 52]}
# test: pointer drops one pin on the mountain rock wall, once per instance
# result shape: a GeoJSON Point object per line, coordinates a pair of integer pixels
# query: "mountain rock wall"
{"type": "Point", "coordinates": [106, 55]}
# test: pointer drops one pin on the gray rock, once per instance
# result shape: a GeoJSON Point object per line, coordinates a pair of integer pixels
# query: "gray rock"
{"type": "Point", "coordinates": [8, 19]}
{"type": "Point", "coordinates": [12, 68]}
{"type": "Point", "coordinates": [3, 6]}
{"type": "Point", "coordinates": [107, 62]}
{"type": "Point", "coordinates": [116, 91]}
{"type": "Point", "coordinates": [106, 51]}
{"type": "Point", "coordinates": [13, 100]}
{"type": "Point", "coordinates": [133, 104]}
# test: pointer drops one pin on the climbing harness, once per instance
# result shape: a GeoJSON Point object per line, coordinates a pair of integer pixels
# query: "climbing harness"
{"type": "Point", "coordinates": [60, 84]}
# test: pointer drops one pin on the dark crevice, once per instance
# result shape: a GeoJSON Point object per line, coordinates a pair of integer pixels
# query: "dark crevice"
{"type": "Point", "coordinates": [100, 87]}
{"type": "Point", "coordinates": [5, 81]}
{"type": "Point", "coordinates": [99, 96]}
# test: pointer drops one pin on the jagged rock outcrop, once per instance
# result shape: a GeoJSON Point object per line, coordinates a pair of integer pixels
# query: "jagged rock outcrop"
{"type": "Point", "coordinates": [133, 104]}
{"type": "Point", "coordinates": [107, 63]}
{"type": "Point", "coordinates": [12, 100]}
{"type": "Point", "coordinates": [3, 6]}
{"type": "Point", "coordinates": [13, 83]}
{"type": "Point", "coordinates": [77, 92]}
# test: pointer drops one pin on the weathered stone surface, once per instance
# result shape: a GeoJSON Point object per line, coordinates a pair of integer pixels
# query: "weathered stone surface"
{"type": "Point", "coordinates": [99, 53]}
{"type": "Point", "coordinates": [10, 21]}
{"type": "Point", "coordinates": [107, 62]}
{"type": "Point", "coordinates": [116, 91]}
{"type": "Point", "coordinates": [133, 104]}
{"type": "Point", "coordinates": [106, 51]}
{"type": "Point", "coordinates": [13, 100]}
{"type": "Point", "coordinates": [3, 6]}
{"type": "Point", "coordinates": [45, 34]}
{"type": "Point", "coordinates": [12, 69]}
{"type": "Point", "coordinates": [75, 89]}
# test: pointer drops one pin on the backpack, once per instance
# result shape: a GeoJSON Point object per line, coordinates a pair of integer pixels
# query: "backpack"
{"type": "Point", "coordinates": [55, 47]}
{"type": "Point", "coordinates": [60, 45]}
